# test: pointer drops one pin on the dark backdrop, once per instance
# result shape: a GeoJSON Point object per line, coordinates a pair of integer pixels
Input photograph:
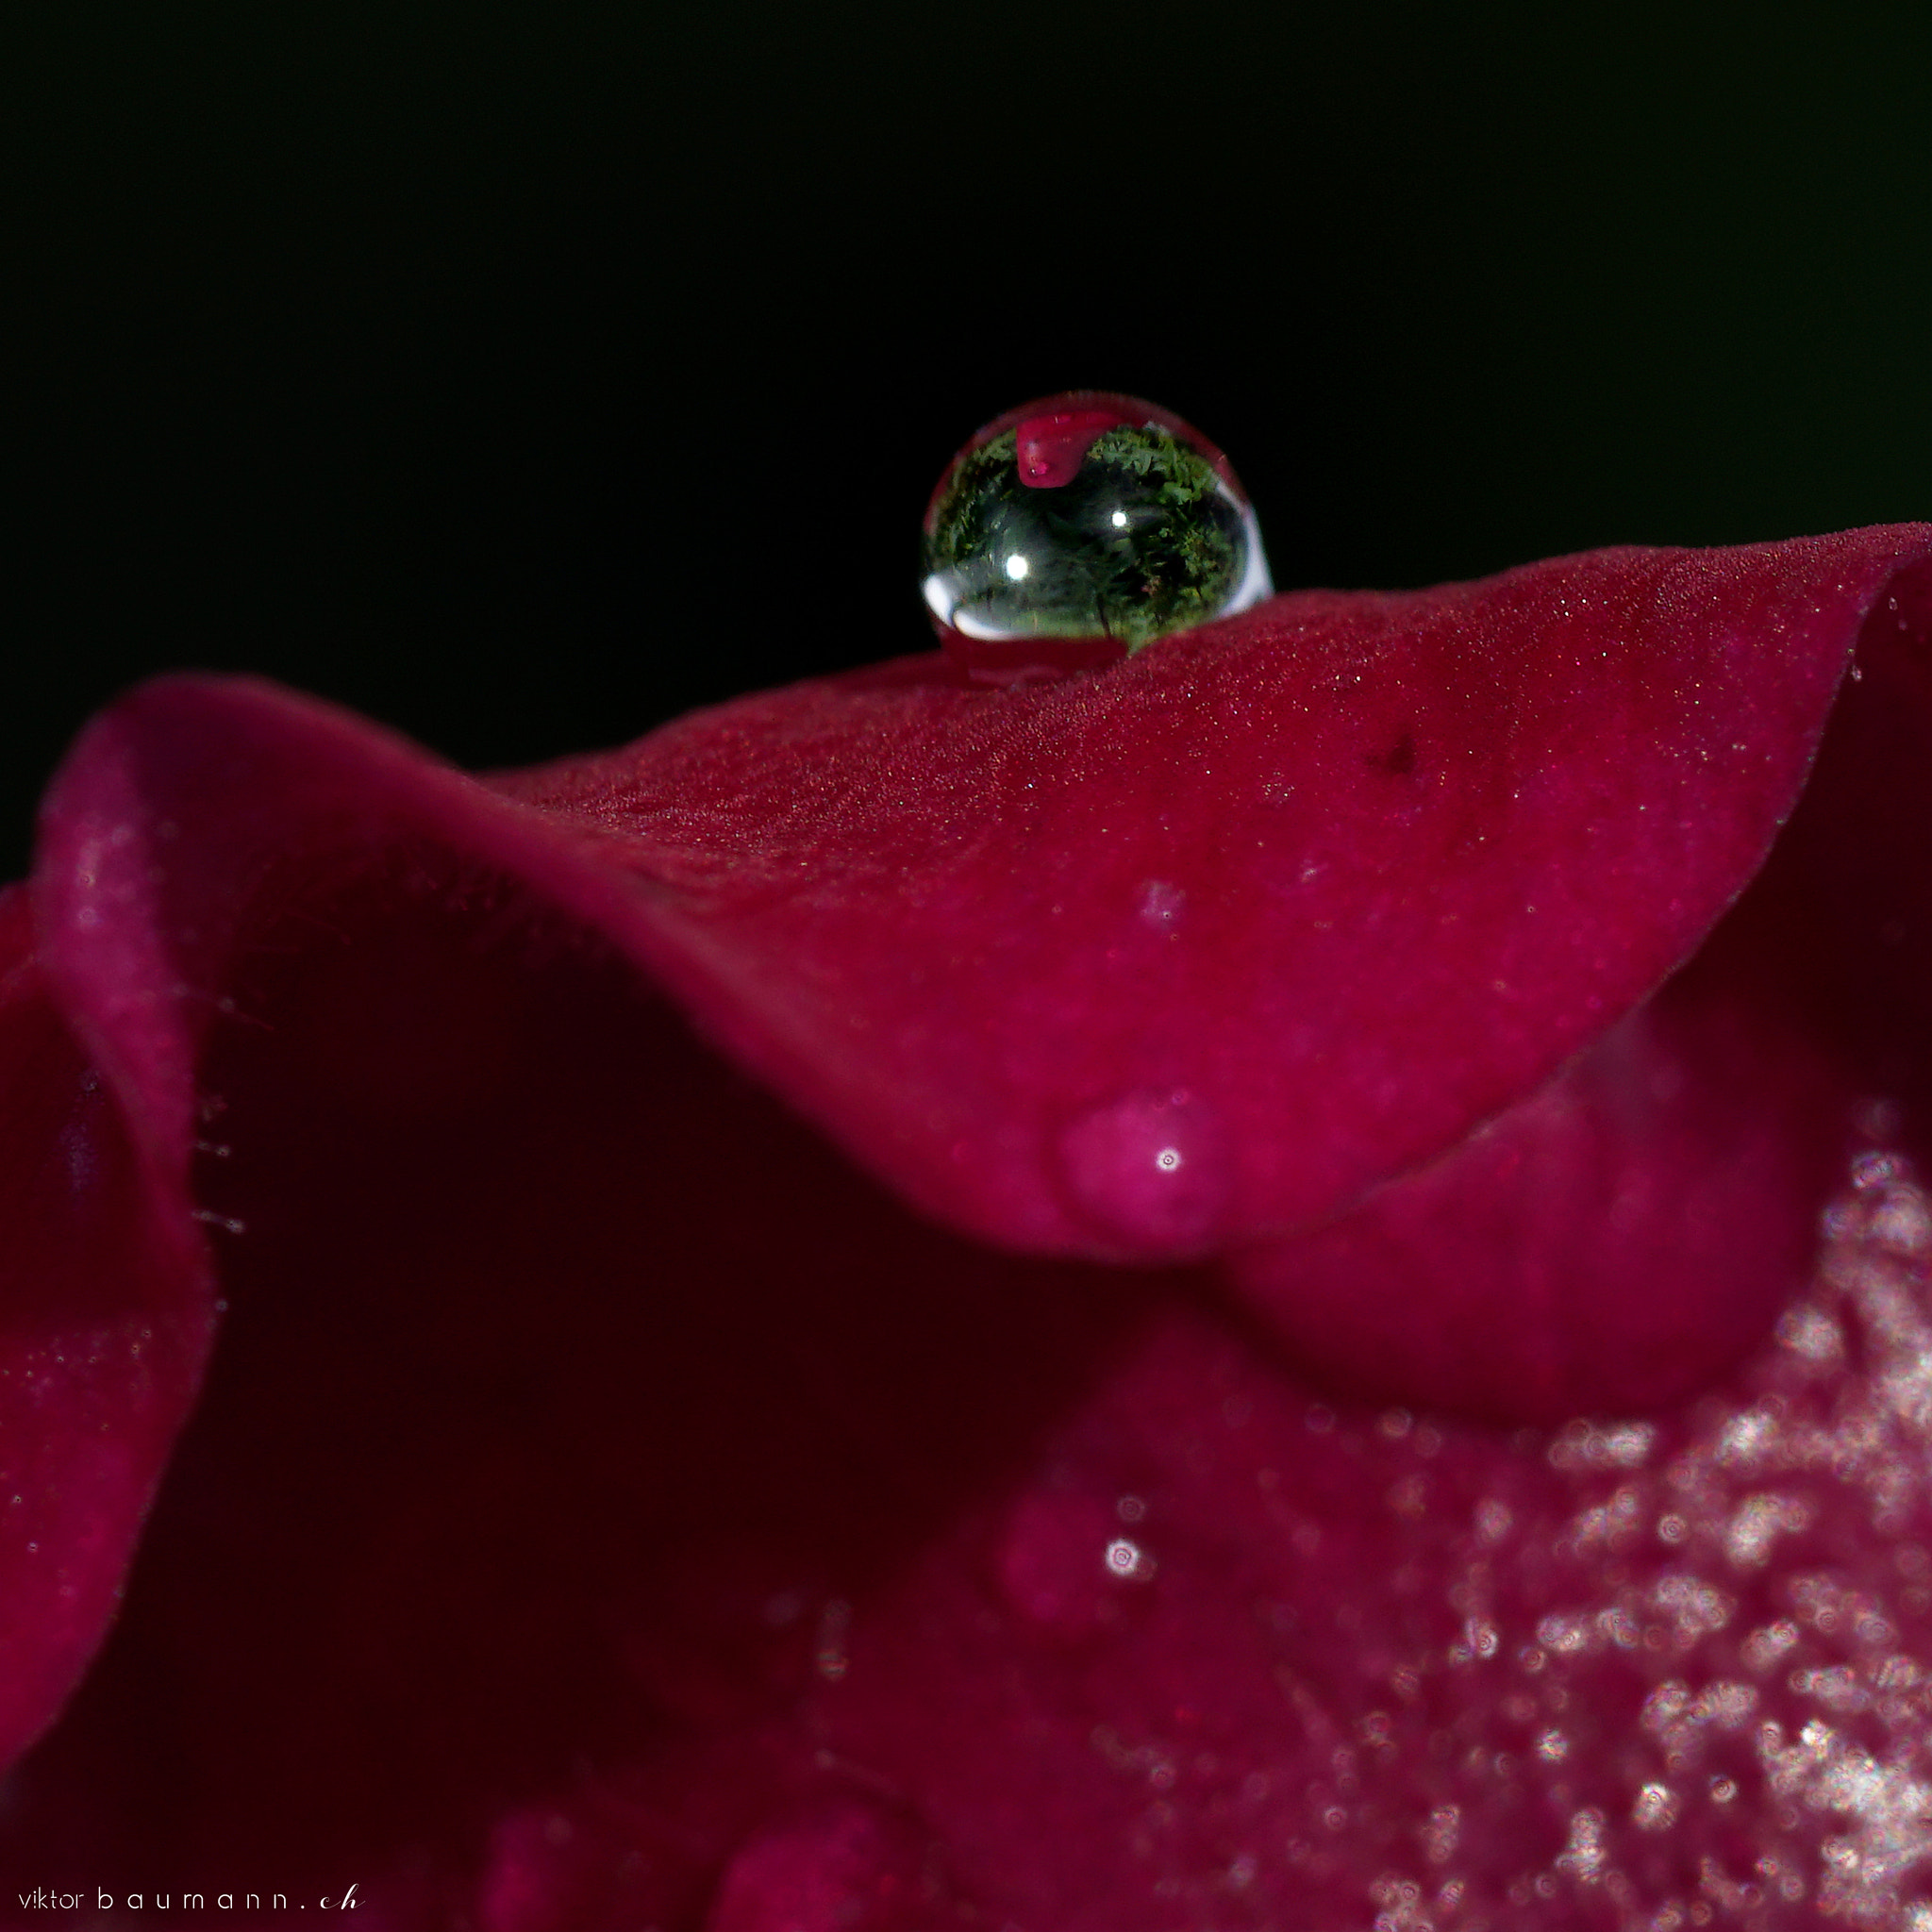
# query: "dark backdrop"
{"type": "Point", "coordinates": [525, 376]}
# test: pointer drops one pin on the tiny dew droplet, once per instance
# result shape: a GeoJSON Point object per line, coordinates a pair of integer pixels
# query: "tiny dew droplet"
{"type": "Point", "coordinates": [1151, 1169]}
{"type": "Point", "coordinates": [1075, 531]}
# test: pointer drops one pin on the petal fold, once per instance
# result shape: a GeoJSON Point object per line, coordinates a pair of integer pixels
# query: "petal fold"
{"type": "Point", "coordinates": [1610, 1244]}
{"type": "Point", "coordinates": [1192, 951]}
{"type": "Point", "coordinates": [104, 1326]}
{"type": "Point", "coordinates": [596, 1467]}
{"type": "Point", "coordinates": [1161, 962]}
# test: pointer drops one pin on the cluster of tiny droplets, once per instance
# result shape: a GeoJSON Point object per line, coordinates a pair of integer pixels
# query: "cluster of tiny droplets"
{"type": "Point", "coordinates": [1828, 1802]}
{"type": "Point", "coordinates": [1626, 1676]}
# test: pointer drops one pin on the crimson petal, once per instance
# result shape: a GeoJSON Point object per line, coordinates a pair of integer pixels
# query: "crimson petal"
{"type": "Point", "coordinates": [1261, 896]}
{"type": "Point", "coordinates": [1304, 895]}
{"type": "Point", "coordinates": [104, 1331]}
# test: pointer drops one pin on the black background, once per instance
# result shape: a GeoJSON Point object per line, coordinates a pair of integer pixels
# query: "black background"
{"type": "Point", "coordinates": [524, 377]}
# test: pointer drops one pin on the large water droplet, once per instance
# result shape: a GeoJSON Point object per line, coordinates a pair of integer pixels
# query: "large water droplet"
{"type": "Point", "coordinates": [1151, 1168]}
{"type": "Point", "coordinates": [1074, 530]}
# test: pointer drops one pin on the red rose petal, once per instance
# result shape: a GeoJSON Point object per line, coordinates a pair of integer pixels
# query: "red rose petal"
{"type": "Point", "coordinates": [587, 1528]}
{"type": "Point", "coordinates": [1843, 912]}
{"type": "Point", "coordinates": [1049, 962]}
{"type": "Point", "coordinates": [1375, 1670]}
{"type": "Point", "coordinates": [1050, 449]}
{"type": "Point", "coordinates": [1349, 872]}
{"type": "Point", "coordinates": [562, 1414]}
{"type": "Point", "coordinates": [1614, 1242]}
{"type": "Point", "coordinates": [104, 1326]}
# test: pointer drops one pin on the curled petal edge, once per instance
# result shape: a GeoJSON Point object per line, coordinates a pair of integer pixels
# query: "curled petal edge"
{"type": "Point", "coordinates": [1262, 895]}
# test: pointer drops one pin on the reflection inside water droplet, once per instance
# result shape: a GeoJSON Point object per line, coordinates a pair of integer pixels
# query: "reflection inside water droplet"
{"type": "Point", "coordinates": [1077, 530]}
{"type": "Point", "coordinates": [1151, 1168]}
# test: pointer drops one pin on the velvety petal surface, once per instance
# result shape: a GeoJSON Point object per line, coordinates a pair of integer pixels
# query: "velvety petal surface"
{"type": "Point", "coordinates": [607, 1508]}
{"type": "Point", "coordinates": [567, 1385]}
{"type": "Point", "coordinates": [610, 1509]}
{"type": "Point", "coordinates": [1630, 1229]}
{"type": "Point", "coordinates": [1302, 895]}
{"type": "Point", "coordinates": [1845, 911]}
{"type": "Point", "coordinates": [1613, 1241]}
{"type": "Point", "coordinates": [104, 1322]}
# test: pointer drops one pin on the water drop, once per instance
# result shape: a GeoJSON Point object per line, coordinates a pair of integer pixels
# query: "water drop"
{"type": "Point", "coordinates": [1151, 1169]}
{"type": "Point", "coordinates": [1162, 905]}
{"type": "Point", "coordinates": [1656, 1808]}
{"type": "Point", "coordinates": [1075, 531]}
{"type": "Point", "coordinates": [1128, 1561]}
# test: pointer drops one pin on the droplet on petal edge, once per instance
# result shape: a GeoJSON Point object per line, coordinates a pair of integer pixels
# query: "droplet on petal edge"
{"type": "Point", "coordinates": [1074, 530]}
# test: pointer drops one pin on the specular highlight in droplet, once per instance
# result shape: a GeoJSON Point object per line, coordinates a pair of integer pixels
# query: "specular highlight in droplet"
{"type": "Point", "coordinates": [1152, 1169]}
{"type": "Point", "coordinates": [1075, 531]}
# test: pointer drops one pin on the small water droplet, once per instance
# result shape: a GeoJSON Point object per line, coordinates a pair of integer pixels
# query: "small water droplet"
{"type": "Point", "coordinates": [1127, 1560]}
{"type": "Point", "coordinates": [1075, 531]}
{"type": "Point", "coordinates": [1656, 1808]}
{"type": "Point", "coordinates": [1161, 904]}
{"type": "Point", "coordinates": [1493, 1519]}
{"type": "Point", "coordinates": [1152, 1169]}
{"type": "Point", "coordinates": [1876, 1169]}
